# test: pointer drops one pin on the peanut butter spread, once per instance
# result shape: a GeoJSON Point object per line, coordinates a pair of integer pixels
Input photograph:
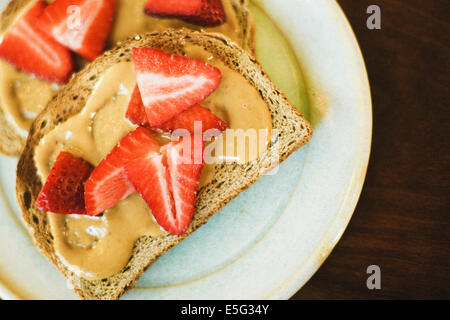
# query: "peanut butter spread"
{"type": "Point", "coordinates": [22, 96]}
{"type": "Point", "coordinates": [98, 247]}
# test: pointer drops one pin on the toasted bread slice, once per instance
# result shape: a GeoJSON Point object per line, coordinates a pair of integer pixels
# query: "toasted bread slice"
{"type": "Point", "coordinates": [12, 141]}
{"type": "Point", "coordinates": [230, 180]}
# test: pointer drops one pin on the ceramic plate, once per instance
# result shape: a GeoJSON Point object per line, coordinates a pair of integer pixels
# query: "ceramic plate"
{"type": "Point", "coordinates": [268, 242]}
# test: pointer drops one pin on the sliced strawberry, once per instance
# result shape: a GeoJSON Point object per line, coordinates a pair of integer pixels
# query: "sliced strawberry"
{"type": "Point", "coordinates": [184, 177]}
{"type": "Point", "coordinates": [136, 110]}
{"type": "Point", "coordinates": [33, 51]}
{"type": "Point", "coordinates": [211, 14]}
{"type": "Point", "coordinates": [169, 182]}
{"type": "Point", "coordinates": [186, 120]}
{"type": "Point", "coordinates": [108, 183]}
{"type": "Point", "coordinates": [63, 192]}
{"type": "Point", "coordinates": [150, 178]}
{"type": "Point", "coordinates": [207, 13]}
{"type": "Point", "coordinates": [81, 25]}
{"type": "Point", "coordinates": [170, 84]}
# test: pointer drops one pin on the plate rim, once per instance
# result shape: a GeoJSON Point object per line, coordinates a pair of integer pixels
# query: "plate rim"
{"type": "Point", "coordinates": [337, 228]}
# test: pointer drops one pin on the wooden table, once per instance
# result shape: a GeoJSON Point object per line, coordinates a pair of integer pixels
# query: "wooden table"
{"type": "Point", "coordinates": [402, 220]}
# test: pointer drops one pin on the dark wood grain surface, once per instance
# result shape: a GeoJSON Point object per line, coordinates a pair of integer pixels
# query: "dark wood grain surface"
{"type": "Point", "coordinates": [402, 220]}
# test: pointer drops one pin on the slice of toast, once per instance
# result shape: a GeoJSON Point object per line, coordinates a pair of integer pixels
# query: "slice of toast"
{"type": "Point", "coordinates": [12, 142]}
{"type": "Point", "coordinates": [230, 180]}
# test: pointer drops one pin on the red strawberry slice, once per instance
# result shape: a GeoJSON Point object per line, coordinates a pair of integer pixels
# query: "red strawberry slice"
{"type": "Point", "coordinates": [63, 192]}
{"type": "Point", "coordinates": [207, 13]}
{"type": "Point", "coordinates": [186, 120]}
{"type": "Point", "coordinates": [184, 177]}
{"type": "Point", "coordinates": [81, 25]}
{"type": "Point", "coordinates": [150, 178]}
{"type": "Point", "coordinates": [33, 51]}
{"type": "Point", "coordinates": [108, 183]}
{"type": "Point", "coordinates": [170, 84]}
{"type": "Point", "coordinates": [136, 110]}
{"type": "Point", "coordinates": [211, 14]}
{"type": "Point", "coordinates": [169, 182]}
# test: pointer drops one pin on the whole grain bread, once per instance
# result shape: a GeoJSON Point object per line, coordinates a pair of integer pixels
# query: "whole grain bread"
{"type": "Point", "coordinates": [12, 142]}
{"type": "Point", "coordinates": [230, 179]}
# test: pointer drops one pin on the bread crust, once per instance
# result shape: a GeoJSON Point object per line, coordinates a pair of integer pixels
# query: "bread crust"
{"type": "Point", "coordinates": [12, 142]}
{"type": "Point", "coordinates": [229, 182]}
